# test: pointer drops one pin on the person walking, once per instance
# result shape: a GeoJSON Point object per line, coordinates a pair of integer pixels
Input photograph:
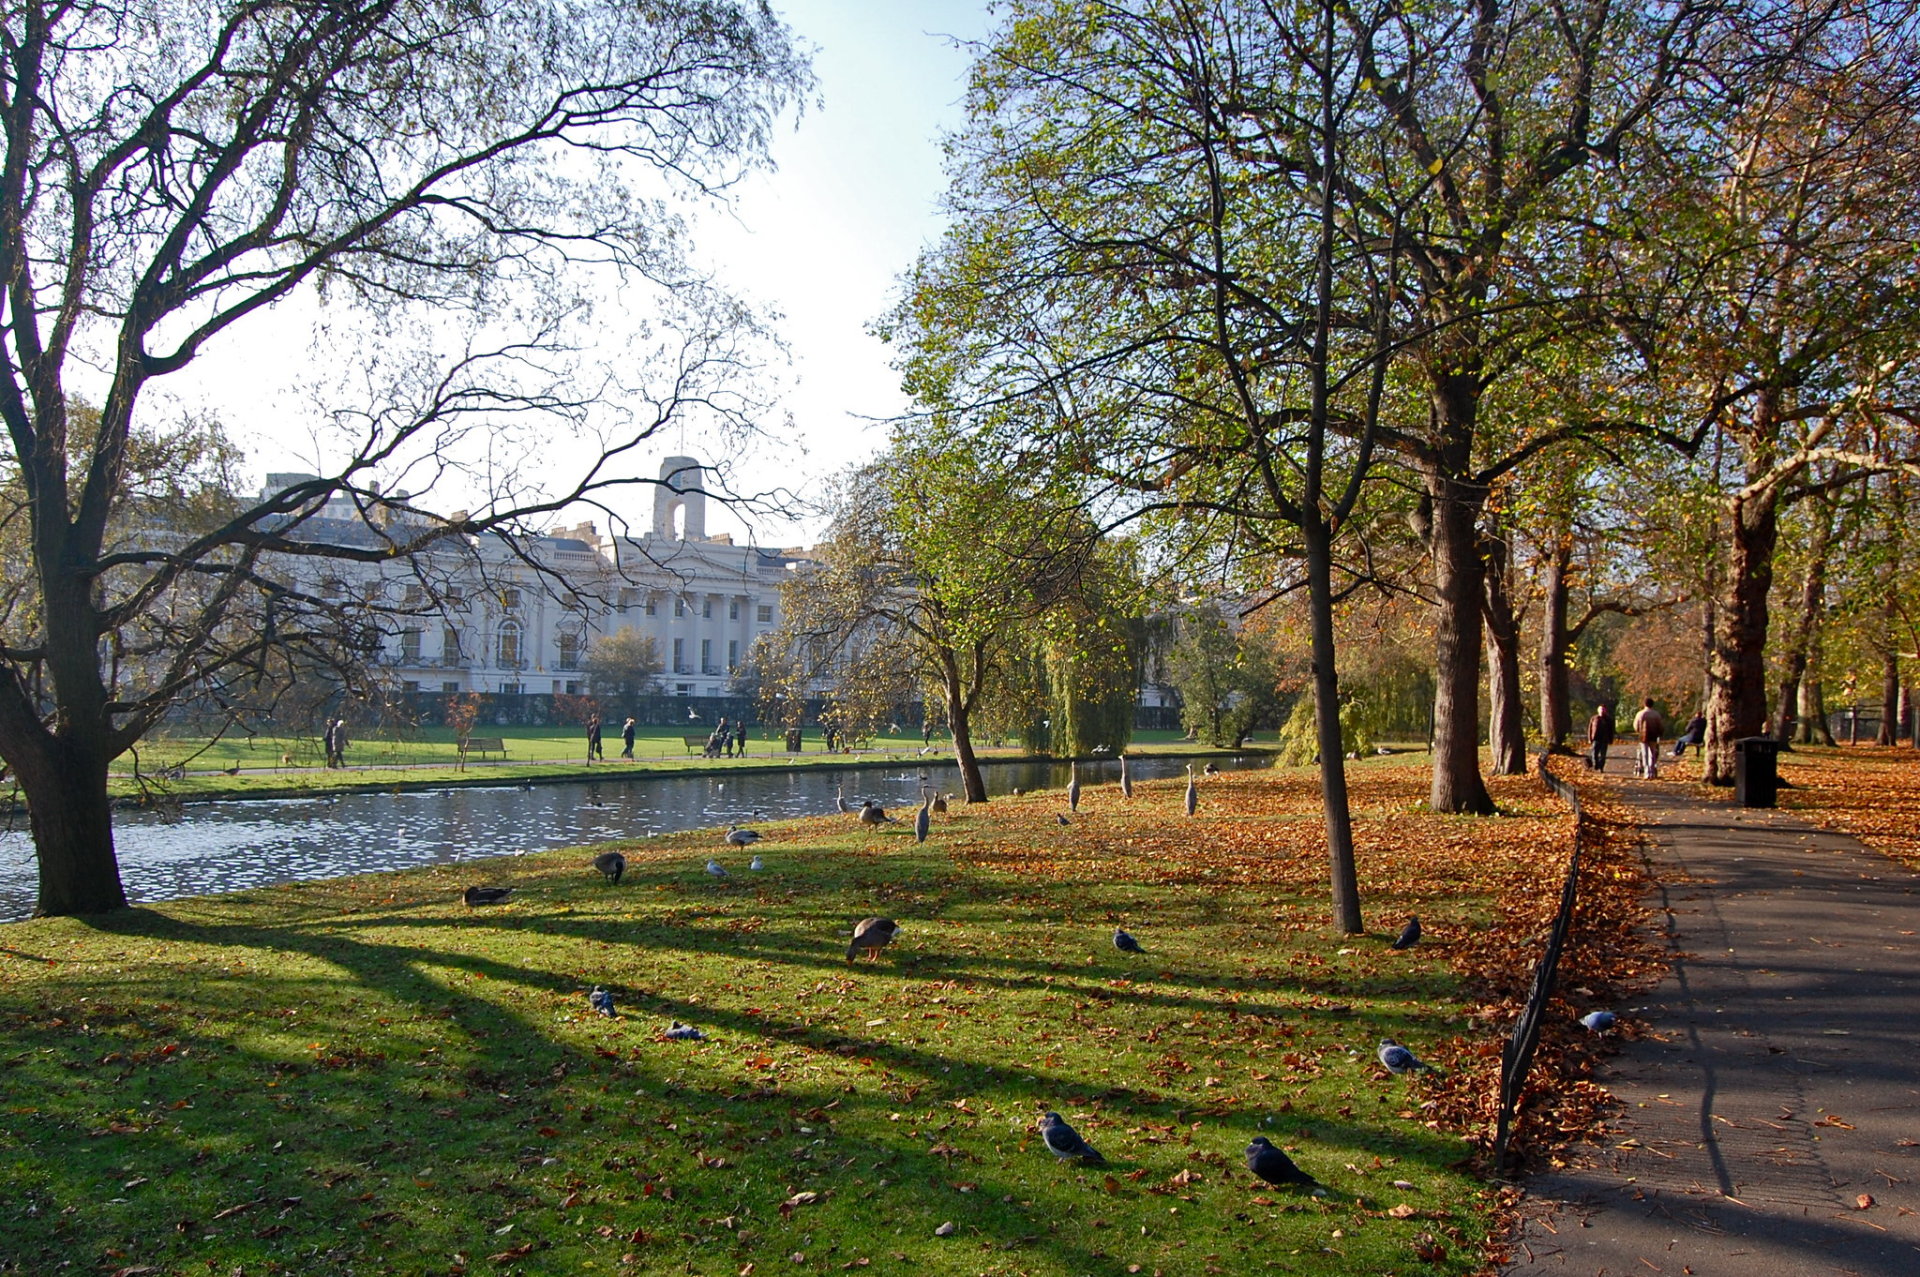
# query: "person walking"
{"type": "Point", "coordinates": [1648, 728]}
{"type": "Point", "coordinates": [1600, 733]}
{"type": "Point", "coordinates": [594, 747]}
{"type": "Point", "coordinates": [740, 738]}
{"type": "Point", "coordinates": [626, 740]}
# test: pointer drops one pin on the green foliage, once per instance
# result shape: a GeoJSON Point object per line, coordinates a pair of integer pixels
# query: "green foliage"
{"type": "Point", "coordinates": [1359, 722]}
{"type": "Point", "coordinates": [1228, 682]}
{"type": "Point", "coordinates": [623, 663]}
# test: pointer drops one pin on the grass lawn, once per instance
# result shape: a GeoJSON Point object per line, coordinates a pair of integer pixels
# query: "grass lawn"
{"type": "Point", "coordinates": [266, 764]}
{"type": "Point", "coordinates": [364, 1076]}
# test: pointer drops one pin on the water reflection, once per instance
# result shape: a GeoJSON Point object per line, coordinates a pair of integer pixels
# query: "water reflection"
{"type": "Point", "coordinates": [231, 846]}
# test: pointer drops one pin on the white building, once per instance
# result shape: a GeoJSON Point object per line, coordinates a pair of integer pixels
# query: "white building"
{"type": "Point", "coordinates": [472, 616]}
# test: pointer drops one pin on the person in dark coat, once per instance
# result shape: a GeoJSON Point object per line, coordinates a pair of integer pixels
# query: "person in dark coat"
{"type": "Point", "coordinates": [595, 749]}
{"type": "Point", "coordinates": [1600, 733]}
{"type": "Point", "coordinates": [1695, 735]}
{"type": "Point", "coordinates": [626, 740]}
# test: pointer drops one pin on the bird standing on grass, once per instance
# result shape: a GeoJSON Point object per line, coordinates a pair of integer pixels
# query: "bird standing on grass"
{"type": "Point", "coordinates": [612, 864]}
{"type": "Point", "coordinates": [871, 935]}
{"type": "Point", "coordinates": [1409, 935]}
{"type": "Point", "coordinates": [1598, 1021]}
{"type": "Point", "coordinates": [738, 837]}
{"type": "Point", "coordinates": [714, 869]}
{"type": "Point", "coordinates": [873, 814]}
{"type": "Point", "coordinates": [923, 822]}
{"type": "Point", "coordinates": [1399, 1060]}
{"type": "Point", "coordinates": [1064, 1142]}
{"type": "Point", "coordinates": [685, 1033]}
{"type": "Point", "coordinates": [602, 1001]}
{"type": "Point", "coordinates": [1276, 1168]}
{"type": "Point", "coordinates": [840, 799]}
{"type": "Point", "coordinates": [1073, 786]}
{"type": "Point", "coordinates": [940, 803]}
{"type": "Point", "coordinates": [1125, 943]}
{"type": "Point", "coordinates": [1193, 792]}
{"type": "Point", "coordinates": [475, 896]}
{"type": "Point", "coordinates": [756, 864]}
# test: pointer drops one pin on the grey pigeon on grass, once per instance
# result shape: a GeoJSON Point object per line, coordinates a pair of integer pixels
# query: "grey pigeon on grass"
{"type": "Point", "coordinates": [1064, 1142]}
{"type": "Point", "coordinates": [602, 1001]}
{"type": "Point", "coordinates": [1598, 1021]}
{"type": "Point", "coordinates": [1125, 943]}
{"type": "Point", "coordinates": [1409, 935]}
{"type": "Point", "coordinates": [1399, 1060]}
{"type": "Point", "coordinates": [1276, 1168]}
{"type": "Point", "coordinates": [685, 1033]}
{"type": "Point", "coordinates": [612, 864]}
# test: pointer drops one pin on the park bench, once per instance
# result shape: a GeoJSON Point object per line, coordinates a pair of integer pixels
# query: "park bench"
{"type": "Point", "coordinates": [696, 744]}
{"type": "Point", "coordinates": [483, 745]}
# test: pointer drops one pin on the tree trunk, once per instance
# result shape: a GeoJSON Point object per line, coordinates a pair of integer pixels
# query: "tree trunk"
{"type": "Point", "coordinates": [1799, 643]}
{"type": "Point", "coordinates": [973, 785]}
{"type": "Point", "coordinates": [1737, 674]}
{"type": "Point", "coordinates": [1506, 732]}
{"type": "Point", "coordinates": [1814, 729]}
{"type": "Point", "coordinates": [1889, 733]}
{"type": "Point", "coordinates": [1326, 720]}
{"type": "Point", "coordinates": [66, 792]}
{"type": "Point", "coordinates": [1454, 543]}
{"type": "Point", "coordinates": [1556, 701]}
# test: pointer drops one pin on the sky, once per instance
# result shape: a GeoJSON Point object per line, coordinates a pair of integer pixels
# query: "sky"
{"type": "Point", "coordinates": [822, 240]}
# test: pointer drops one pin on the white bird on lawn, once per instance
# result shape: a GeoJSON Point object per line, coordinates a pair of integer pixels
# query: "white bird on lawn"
{"type": "Point", "coordinates": [714, 870]}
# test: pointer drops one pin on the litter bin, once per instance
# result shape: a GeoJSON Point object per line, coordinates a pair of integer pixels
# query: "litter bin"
{"type": "Point", "coordinates": [1756, 771]}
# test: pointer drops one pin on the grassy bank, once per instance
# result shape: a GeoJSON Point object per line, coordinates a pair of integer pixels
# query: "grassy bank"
{"type": "Point", "coordinates": [365, 1076]}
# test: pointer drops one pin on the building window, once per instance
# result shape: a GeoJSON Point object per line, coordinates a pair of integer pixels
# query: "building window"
{"type": "Point", "coordinates": [450, 646]}
{"type": "Point", "coordinates": [450, 689]}
{"type": "Point", "coordinates": [333, 587]}
{"type": "Point", "coordinates": [764, 614]}
{"type": "Point", "coordinates": [653, 605]}
{"type": "Point", "coordinates": [573, 687]}
{"type": "Point", "coordinates": [706, 656]}
{"type": "Point", "coordinates": [412, 595]}
{"type": "Point", "coordinates": [569, 651]}
{"type": "Point", "coordinates": [510, 599]}
{"type": "Point", "coordinates": [733, 655]}
{"type": "Point", "coordinates": [680, 656]}
{"type": "Point", "coordinates": [509, 645]}
{"type": "Point", "coordinates": [509, 689]}
{"type": "Point", "coordinates": [679, 606]}
{"type": "Point", "coordinates": [683, 689]}
{"type": "Point", "coordinates": [706, 608]}
{"type": "Point", "coordinates": [733, 609]}
{"type": "Point", "coordinates": [409, 687]}
{"type": "Point", "coordinates": [410, 646]}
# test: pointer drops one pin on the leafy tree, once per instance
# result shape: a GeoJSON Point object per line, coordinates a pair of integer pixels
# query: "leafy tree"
{"type": "Point", "coordinates": [623, 663]}
{"type": "Point", "coordinates": [172, 170]}
{"type": "Point", "coordinates": [1227, 681]}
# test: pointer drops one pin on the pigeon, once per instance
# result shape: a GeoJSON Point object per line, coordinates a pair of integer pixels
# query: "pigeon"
{"type": "Point", "coordinates": [1409, 934]}
{"type": "Point", "coordinates": [872, 935]}
{"type": "Point", "coordinates": [685, 1033]}
{"type": "Point", "coordinates": [1275, 1167]}
{"type": "Point", "coordinates": [1398, 1059]}
{"type": "Point", "coordinates": [756, 864]}
{"type": "Point", "coordinates": [1598, 1021]}
{"type": "Point", "coordinates": [1125, 943]}
{"type": "Point", "coordinates": [714, 870]}
{"type": "Point", "coordinates": [1064, 1142]}
{"type": "Point", "coordinates": [1073, 786]}
{"type": "Point", "coordinates": [602, 1001]}
{"type": "Point", "coordinates": [612, 864]}
{"type": "Point", "coordinates": [475, 896]}
{"type": "Point", "coordinates": [738, 837]}
{"type": "Point", "coordinates": [1062, 820]}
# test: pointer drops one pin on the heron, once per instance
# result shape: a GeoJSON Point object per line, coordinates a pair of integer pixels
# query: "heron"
{"type": "Point", "coordinates": [840, 800]}
{"type": "Point", "coordinates": [1193, 792]}
{"type": "Point", "coordinates": [1073, 786]}
{"type": "Point", "coordinates": [611, 864]}
{"type": "Point", "coordinates": [1126, 780]}
{"type": "Point", "coordinates": [923, 822]}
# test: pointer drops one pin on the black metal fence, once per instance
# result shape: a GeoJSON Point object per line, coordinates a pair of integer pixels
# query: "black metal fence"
{"type": "Point", "coordinates": [1517, 1058]}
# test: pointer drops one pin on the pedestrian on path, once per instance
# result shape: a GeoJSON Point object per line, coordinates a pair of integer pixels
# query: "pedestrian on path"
{"type": "Point", "coordinates": [626, 740]}
{"type": "Point", "coordinates": [1600, 737]}
{"type": "Point", "coordinates": [595, 749]}
{"type": "Point", "coordinates": [1648, 728]}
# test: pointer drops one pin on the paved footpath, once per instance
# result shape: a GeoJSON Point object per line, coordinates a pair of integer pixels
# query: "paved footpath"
{"type": "Point", "coordinates": [1776, 1083]}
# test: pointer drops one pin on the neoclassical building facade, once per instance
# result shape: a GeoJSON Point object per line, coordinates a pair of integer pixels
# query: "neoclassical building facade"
{"type": "Point", "coordinates": [480, 616]}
